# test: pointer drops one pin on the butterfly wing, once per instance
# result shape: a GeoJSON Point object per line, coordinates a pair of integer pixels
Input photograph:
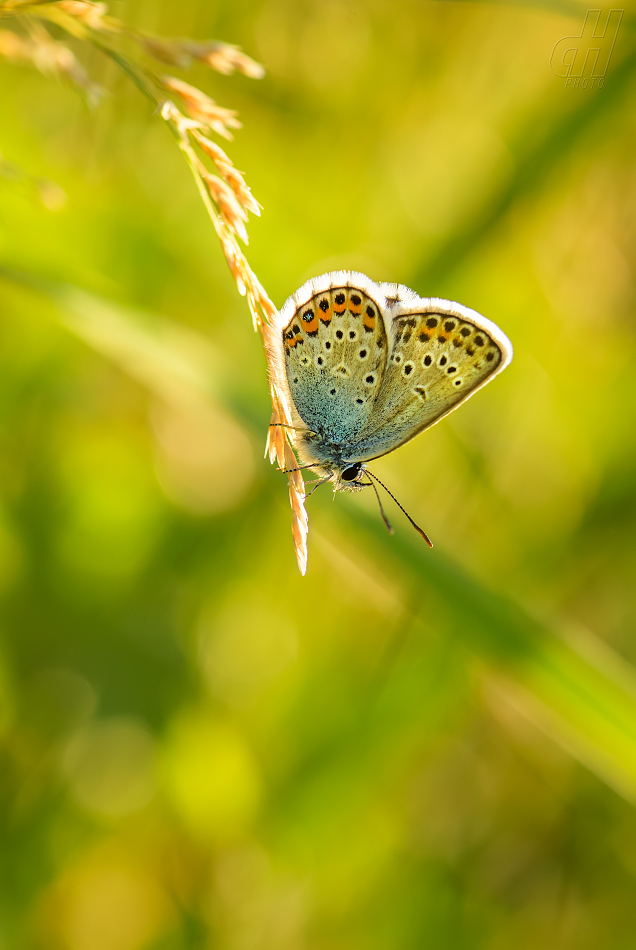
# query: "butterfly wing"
{"type": "Point", "coordinates": [440, 354]}
{"type": "Point", "coordinates": [335, 352]}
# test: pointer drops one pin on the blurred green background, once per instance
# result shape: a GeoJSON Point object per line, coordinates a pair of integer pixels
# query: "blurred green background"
{"type": "Point", "coordinates": [407, 749]}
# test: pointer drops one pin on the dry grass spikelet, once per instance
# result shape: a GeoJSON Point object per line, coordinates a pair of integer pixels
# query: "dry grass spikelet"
{"type": "Point", "coordinates": [232, 211]}
{"type": "Point", "coordinates": [202, 108]}
{"type": "Point", "coordinates": [300, 525]}
{"type": "Point", "coordinates": [225, 58]}
{"type": "Point", "coordinates": [222, 57]}
{"type": "Point", "coordinates": [228, 172]}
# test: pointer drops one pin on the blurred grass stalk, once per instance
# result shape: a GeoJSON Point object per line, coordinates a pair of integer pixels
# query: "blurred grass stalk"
{"type": "Point", "coordinates": [569, 684]}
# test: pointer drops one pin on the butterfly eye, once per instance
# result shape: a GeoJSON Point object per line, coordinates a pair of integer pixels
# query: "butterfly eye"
{"type": "Point", "coordinates": [351, 472]}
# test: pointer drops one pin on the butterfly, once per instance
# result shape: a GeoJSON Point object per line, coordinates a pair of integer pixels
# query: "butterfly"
{"type": "Point", "coordinates": [365, 367]}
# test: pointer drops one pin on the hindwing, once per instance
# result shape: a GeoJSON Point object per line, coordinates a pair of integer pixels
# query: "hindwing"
{"type": "Point", "coordinates": [439, 357]}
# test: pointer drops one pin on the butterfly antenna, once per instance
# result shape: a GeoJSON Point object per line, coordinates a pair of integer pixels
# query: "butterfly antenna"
{"type": "Point", "coordinates": [382, 512]}
{"type": "Point", "coordinates": [416, 526]}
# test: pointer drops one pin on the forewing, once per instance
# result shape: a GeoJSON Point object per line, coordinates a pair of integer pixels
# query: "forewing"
{"type": "Point", "coordinates": [335, 356]}
{"type": "Point", "coordinates": [439, 357]}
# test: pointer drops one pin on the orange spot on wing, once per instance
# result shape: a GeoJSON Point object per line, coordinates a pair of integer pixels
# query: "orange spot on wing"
{"type": "Point", "coordinates": [312, 325]}
{"type": "Point", "coordinates": [369, 322]}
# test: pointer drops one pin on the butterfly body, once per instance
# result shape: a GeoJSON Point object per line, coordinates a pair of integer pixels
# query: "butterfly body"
{"type": "Point", "coordinates": [364, 367]}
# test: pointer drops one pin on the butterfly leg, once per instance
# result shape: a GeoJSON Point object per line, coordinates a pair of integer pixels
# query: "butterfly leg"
{"type": "Point", "coordinates": [321, 481]}
{"type": "Point", "coordinates": [283, 425]}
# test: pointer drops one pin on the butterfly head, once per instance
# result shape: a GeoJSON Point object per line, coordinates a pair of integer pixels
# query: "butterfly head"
{"type": "Point", "coordinates": [328, 458]}
{"type": "Point", "coordinates": [347, 476]}
{"type": "Point", "coordinates": [351, 472]}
